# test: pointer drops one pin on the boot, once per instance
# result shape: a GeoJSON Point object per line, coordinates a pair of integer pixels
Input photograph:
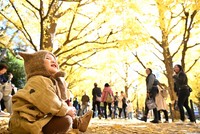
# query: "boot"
{"type": "Point", "coordinates": [144, 118]}
{"type": "Point", "coordinates": [82, 122]}
{"type": "Point", "coordinates": [154, 121]}
{"type": "Point", "coordinates": [155, 112]}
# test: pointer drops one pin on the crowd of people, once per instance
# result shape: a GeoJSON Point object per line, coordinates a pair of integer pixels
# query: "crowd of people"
{"type": "Point", "coordinates": [117, 104]}
{"type": "Point", "coordinates": [122, 107]}
{"type": "Point", "coordinates": [44, 104]}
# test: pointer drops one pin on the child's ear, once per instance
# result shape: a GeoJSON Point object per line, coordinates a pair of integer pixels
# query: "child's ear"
{"type": "Point", "coordinates": [25, 56]}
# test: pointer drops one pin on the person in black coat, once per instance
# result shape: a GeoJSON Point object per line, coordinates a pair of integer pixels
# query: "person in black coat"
{"type": "Point", "coordinates": [96, 91]}
{"type": "Point", "coordinates": [183, 91]}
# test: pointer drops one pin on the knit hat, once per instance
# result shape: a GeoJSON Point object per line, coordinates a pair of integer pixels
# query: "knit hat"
{"type": "Point", "coordinates": [34, 65]}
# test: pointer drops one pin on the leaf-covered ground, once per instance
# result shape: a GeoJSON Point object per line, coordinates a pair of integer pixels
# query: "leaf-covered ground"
{"type": "Point", "coordinates": [122, 126]}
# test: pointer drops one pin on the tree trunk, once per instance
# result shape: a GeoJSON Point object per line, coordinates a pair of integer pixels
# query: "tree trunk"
{"type": "Point", "coordinates": [169, 67]}
{"type": "Point", "coordinates": [50, 28]}
{"type": "Point", "coordinates": [126, 91]}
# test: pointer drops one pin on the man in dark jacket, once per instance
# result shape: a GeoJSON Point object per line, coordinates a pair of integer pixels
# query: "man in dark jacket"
{"type": "Point", "coordinates": [96, 91]}
{"type": "Point", "coordinates": [85, 103]}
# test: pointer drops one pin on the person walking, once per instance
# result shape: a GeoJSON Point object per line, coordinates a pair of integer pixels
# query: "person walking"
{"type": "Point", "coordinates": [76, 105]}
{"type": "Point", "coordinates": [122, 105]}
{"type": "Point", "coordinates": [116, 98]}
{"type": "Point", "coordinates": [161, 103]}
{"type": "Point", "coordinates": [152, 90]}
{"type": "Point", "coordinates": [96, 93]}
{"type": "Point", "coordinates": [183, 91]}
{"type": "Point", "coordinates": [107, 92]}
{"type": "Point", "coordinates": [84, 103]}
{"type": "Point", "coordinates": [130, 109]}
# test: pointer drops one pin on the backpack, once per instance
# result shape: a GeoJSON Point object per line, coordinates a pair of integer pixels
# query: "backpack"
{"type": "Point", "coordinates": [109, 98]}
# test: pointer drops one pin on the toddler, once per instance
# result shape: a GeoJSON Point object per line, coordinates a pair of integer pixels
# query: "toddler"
{"type": "Point", "coordinates": [41, 106]}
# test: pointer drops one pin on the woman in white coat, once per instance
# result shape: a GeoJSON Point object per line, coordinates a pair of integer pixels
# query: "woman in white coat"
{"type": "Point", "coordinates": [161, 103]}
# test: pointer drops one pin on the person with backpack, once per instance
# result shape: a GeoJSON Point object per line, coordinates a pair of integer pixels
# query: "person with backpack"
{"type": "Point", "coordinates": [107, 98]}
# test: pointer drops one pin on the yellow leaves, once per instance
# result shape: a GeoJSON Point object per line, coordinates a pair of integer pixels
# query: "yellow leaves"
{"type": "Point", "coordinates": [1, 18]}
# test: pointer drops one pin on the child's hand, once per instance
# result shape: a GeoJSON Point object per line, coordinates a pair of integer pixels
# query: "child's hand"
{"type": "Point", "coordinates": [71, 112]}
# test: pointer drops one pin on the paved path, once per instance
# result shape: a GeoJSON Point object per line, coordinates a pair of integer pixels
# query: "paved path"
{"type": "Point", "coordinates": [122, 126]}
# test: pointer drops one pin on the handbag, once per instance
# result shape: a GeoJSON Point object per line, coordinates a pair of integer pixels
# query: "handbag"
{"type": "Point", "coordinates": [98, 98]}
{"type": "Point", "coordinates": [109, 98]}
{"type": "Point", "coordinates": [150, 103]}
{"type": "Point", "coordinates": [187, 87]}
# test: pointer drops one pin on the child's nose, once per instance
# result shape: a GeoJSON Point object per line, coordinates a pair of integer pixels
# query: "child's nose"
{"type": "Point", "coordinates": [53, 61]}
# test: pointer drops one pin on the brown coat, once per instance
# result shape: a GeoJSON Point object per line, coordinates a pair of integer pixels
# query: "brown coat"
{"type": "Point", "coordinates": [35, 105]}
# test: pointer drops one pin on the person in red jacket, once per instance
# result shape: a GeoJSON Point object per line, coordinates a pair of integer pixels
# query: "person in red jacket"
{"type": "Point", "coordinates": [105, 95]}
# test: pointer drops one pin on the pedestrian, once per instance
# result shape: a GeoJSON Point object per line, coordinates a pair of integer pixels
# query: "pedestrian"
{"type": "Point", "coordinates": [96, 93]}
{"type": "Point", "coordinates": [130, 109]}
{"type": "Point", "coordinates": [122, 104]}
{"type": "Point", "coordinates": [183, 91]}
{"type": "Point", "coordinates": [76, 105]}
{"type": "Point", "coordinates": [116, 98]}
{"type": "Point", "coordinates": [85, 103]}
{"type": "Point", "coordinates": [5, 91]}
{"type": "Point", "coordinates": [107, 93]}
{"type": "Point", "coordinates": [40, 107]}
{"type": "Point", "coordinates": [161, 103]}
{"type": "Point", "coordinates": [152, 90]}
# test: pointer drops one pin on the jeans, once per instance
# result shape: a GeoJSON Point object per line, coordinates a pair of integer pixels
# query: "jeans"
{"type": "Point", "coordinates": [124, 111]}
{"type": "Point", "coordinates": [94, 107]}
{"type": "Point", "coordinates": [115, 110]}
{"type": "Point", "coordinates": [83, 109]}
{"type": "Point", "coordinates": [130, 115]}
{"type": "Point", "coordinates": [105, 108]}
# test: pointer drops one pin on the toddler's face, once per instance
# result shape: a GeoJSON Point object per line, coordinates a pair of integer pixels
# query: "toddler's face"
{"type": "Point", "coordinates": [51, 64]}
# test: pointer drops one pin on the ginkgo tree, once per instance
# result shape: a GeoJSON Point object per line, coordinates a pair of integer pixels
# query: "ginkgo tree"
{"type": "Point", "coordinates": [73, 31]}
{"type": "Point", "coordinates": [173, 34]}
